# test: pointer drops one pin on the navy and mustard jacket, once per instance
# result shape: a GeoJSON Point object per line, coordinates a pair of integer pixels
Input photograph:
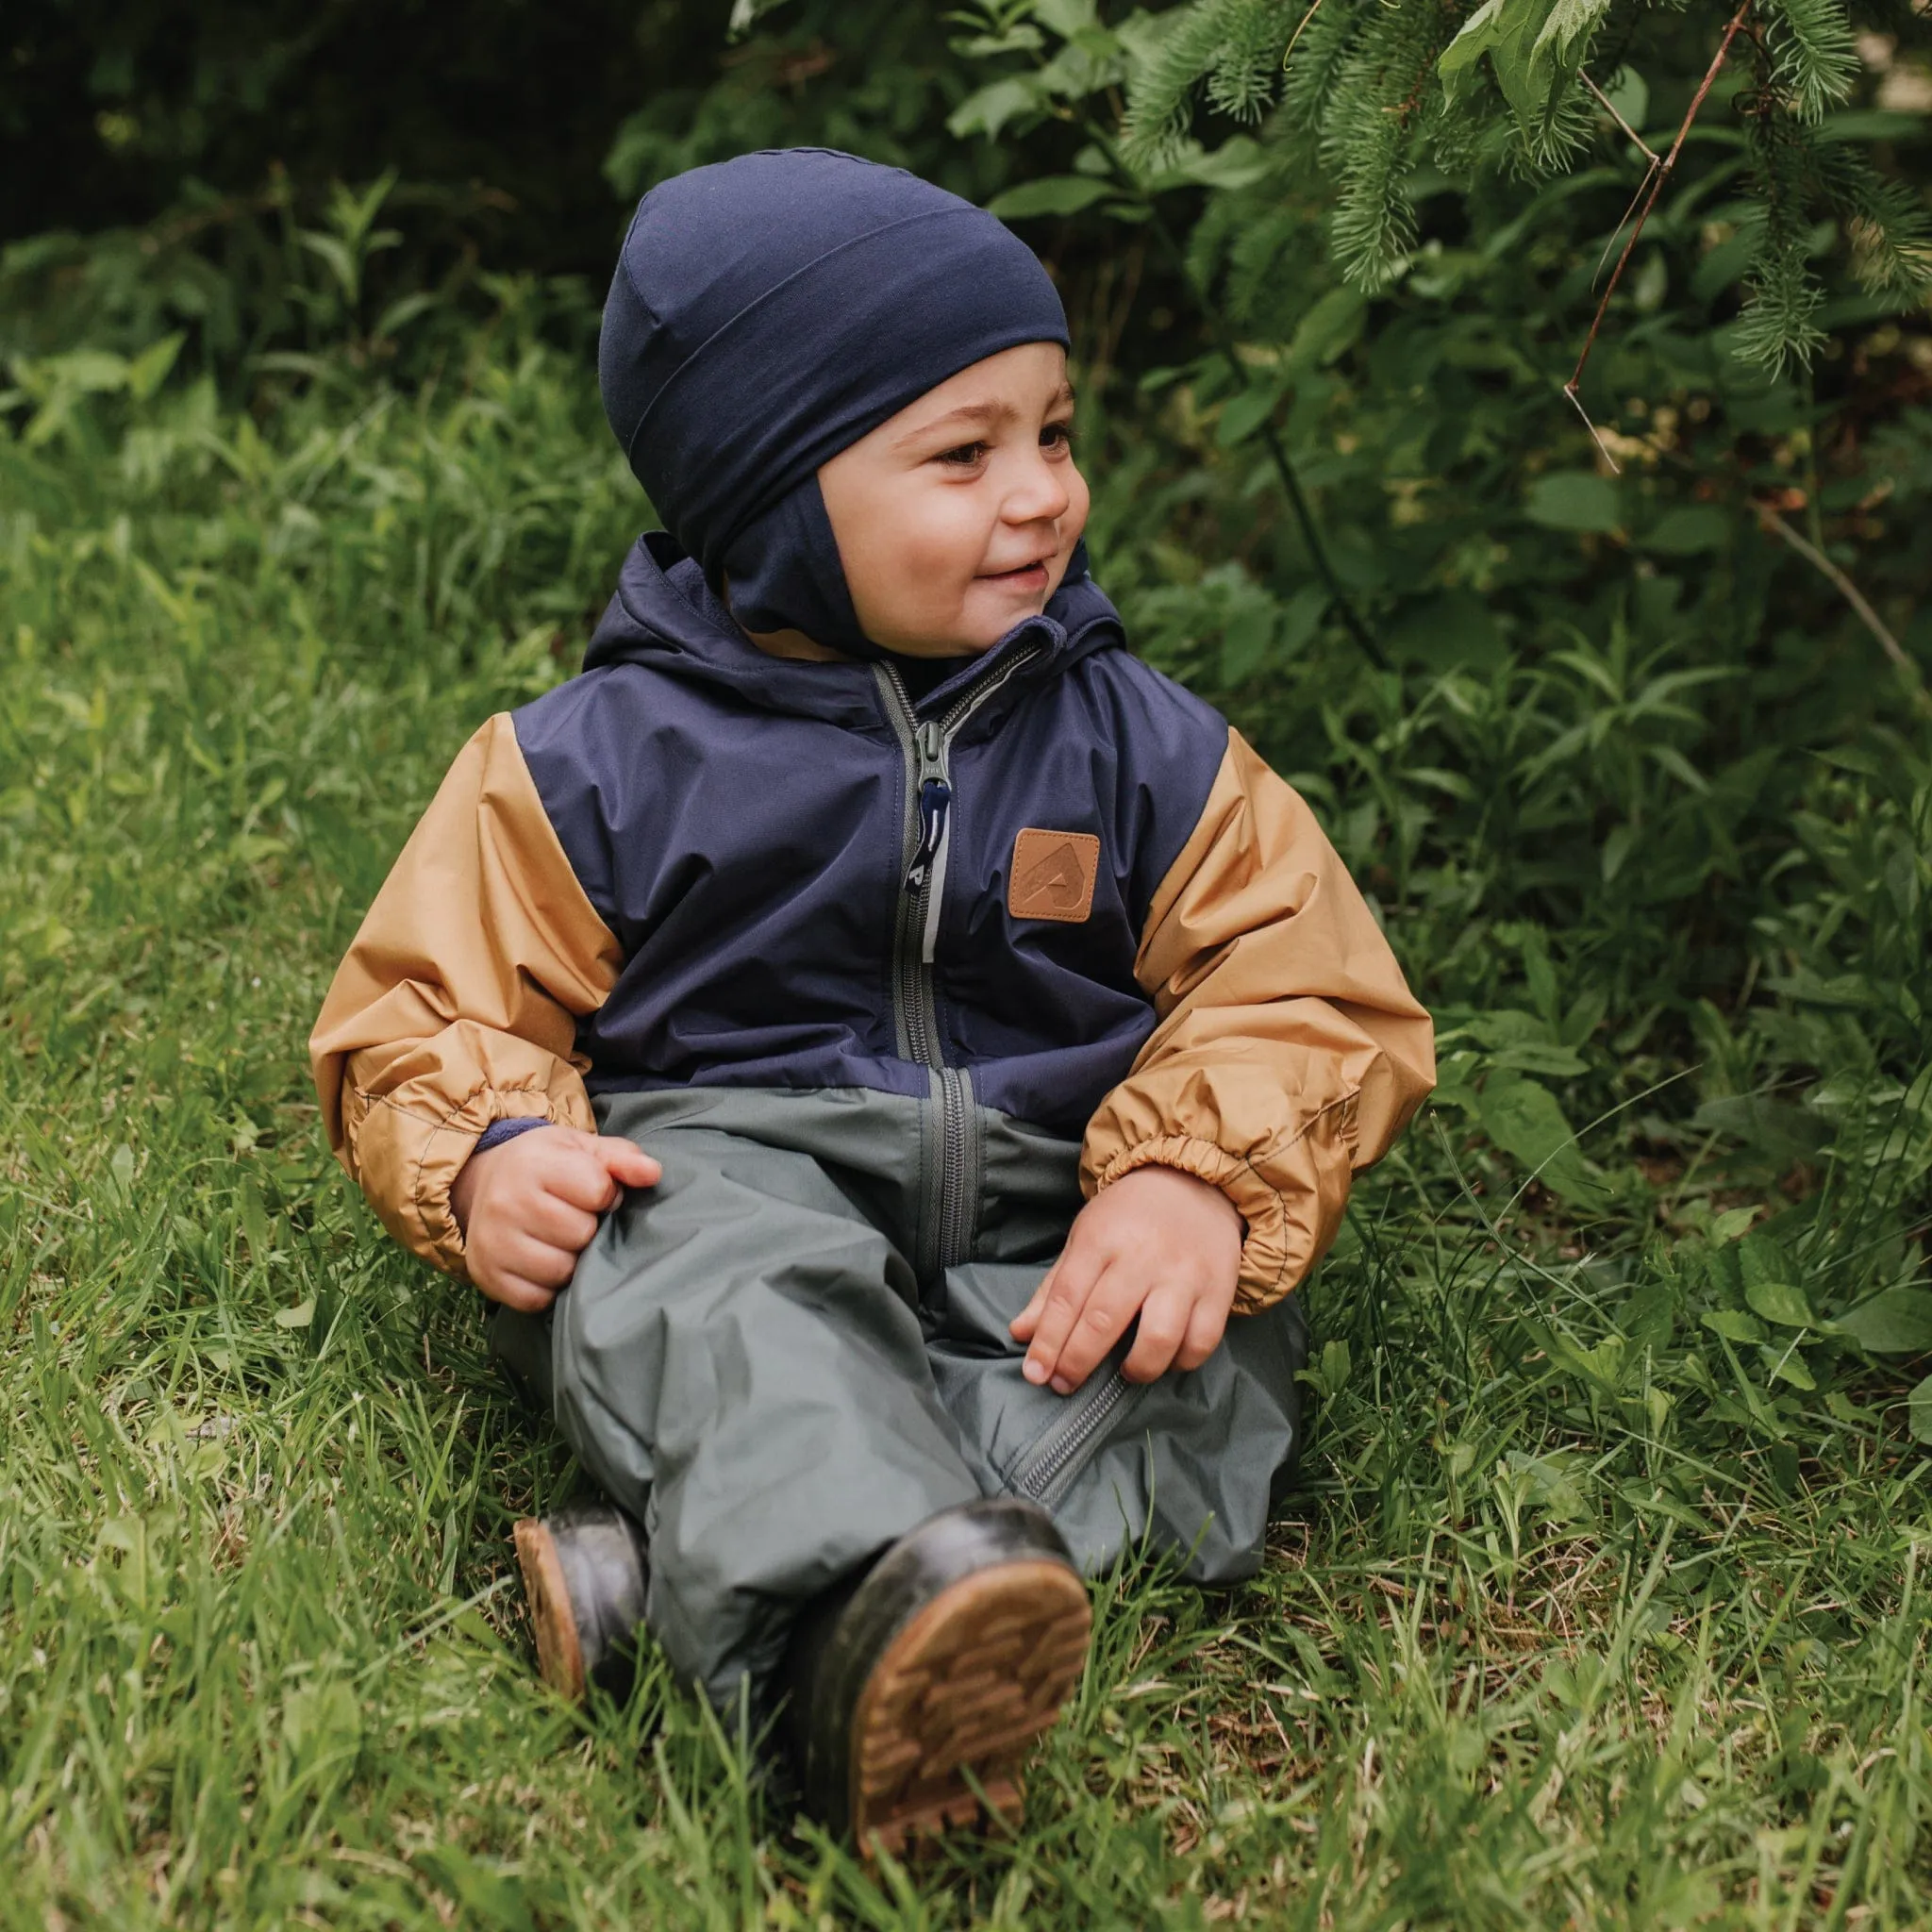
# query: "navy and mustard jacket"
{"type": "Point", "coordinates": [1058, 885]}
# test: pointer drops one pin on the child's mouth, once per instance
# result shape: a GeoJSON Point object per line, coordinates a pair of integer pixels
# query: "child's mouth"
{"type": "Point", "coordinates": [1028, 576]}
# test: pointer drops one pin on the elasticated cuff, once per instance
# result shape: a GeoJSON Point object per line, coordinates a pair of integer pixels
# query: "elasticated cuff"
{"type": "Point", "coordinates": [407, 1161]}
{"type": "Point", "coordinates": [1264, 1254]}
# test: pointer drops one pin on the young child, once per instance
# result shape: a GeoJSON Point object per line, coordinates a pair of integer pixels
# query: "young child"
{"type": "Point", "coordinates": [861, 907]}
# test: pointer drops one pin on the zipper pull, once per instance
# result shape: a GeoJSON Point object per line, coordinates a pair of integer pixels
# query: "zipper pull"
{"type": "Point", "coordinates": [932, 749]}
{"type": "Point", "coordinates": [935, 801]}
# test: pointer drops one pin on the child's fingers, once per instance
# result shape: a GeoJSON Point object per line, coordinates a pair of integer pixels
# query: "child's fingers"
{"type": "Point", "coordinates": [523, 1257]}
{"type": "Point", "coordinates": [1206, 1327]}
{"type": "Point", "coordinates": [576, 1171]}
{"type": "Point", "coordinates": [1074, 1275]}
{"type": "Point", "coordinates": [1166, 1322]}
{"type": "Point", "coordinates": [1022, 1324]}
{"type": "Point", "coordinates": [1116, 1298]}
{"type": "Point", "coordinates": [626, 1162]}
{"type": "Point", "coordinates": [553, 1219]}
{"type": "Point", "coordinates": [512, 1291]}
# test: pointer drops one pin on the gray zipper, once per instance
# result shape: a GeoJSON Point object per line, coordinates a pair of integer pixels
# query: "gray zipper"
{"type": "Point", "coordinates": [950, 1189]}
{"type": "Point", "coordinates": [1059, 1456]}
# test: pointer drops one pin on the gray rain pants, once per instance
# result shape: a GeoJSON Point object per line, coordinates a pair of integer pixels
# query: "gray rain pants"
{"type": "Point", "coordinates": [750, 1362]}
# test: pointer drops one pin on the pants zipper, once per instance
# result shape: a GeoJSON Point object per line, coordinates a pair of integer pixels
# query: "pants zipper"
{"type": "Point", "coordinates": [951, 1194]}
{"type": "Point", "coordinates": [1059, 1456]}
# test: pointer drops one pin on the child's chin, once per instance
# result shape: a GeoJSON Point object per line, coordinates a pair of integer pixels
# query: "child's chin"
{"type": "Point", "coordinates": [999, 612]}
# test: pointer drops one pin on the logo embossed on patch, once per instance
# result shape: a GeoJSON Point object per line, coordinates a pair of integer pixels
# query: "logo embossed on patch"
{"type": "Point", "coordinates": [1053, 875]}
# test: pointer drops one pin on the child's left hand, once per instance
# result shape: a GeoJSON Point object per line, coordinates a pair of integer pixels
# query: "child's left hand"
{"type": "Point", "coordinates": [1157, 1244]}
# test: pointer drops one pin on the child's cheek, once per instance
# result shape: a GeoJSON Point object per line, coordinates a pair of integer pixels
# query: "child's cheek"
{"type": "Point", "coordinates": [1079, 501]}
{"type": "Point", "coordinates": [947, 534]}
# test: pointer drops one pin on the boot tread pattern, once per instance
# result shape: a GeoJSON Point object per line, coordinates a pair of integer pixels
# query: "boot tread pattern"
{"type": "Point", "coordinates": [969, 1685]}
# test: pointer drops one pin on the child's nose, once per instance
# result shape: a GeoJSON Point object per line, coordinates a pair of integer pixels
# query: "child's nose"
{"type": "Point", "coordinates": [1039, 492]}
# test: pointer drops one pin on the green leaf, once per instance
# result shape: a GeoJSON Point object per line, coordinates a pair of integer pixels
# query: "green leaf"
{"type": "Point", "coordinates": [1786, 1365]}
{"type": "Point", "coordinates": [1554, 1483]}
{"type": "Point", "coordinates": [1301, 618]}
{"type": "Point", "coordinates": [1920, 1410]}
{"type": "Point", "coordinates": [1629, 94]}
{"type": "Point", "coordinates": [1055, 194]}
{"type": "Point", "coordinates": [1236, 163]}
{"type": "Point", "coordinates": [1066, 17]}
{"type": "Point", "coordinates": [1782, 1302]}
{"type": "Point", "coordinates": [92, 370]}
{"type": "Point", "coordinates": [1732, 1222]}
{"type": "Point", "coordinates": [1333, 325]}
{"type": "Point", "coordinates": [1245, 413]}
{"type": "Point", "coordinates": [149, 369]}
{"type": "Point", "coordinates": [1734, 1324]}
{"type": "Point", "coordinates": [1897, 1320]}
{"type": "Point", "coordinates": [300, 1316]}
{"type": "Point", "coordinates": [1534, 46]}
{"type": "Point", "coordinates": [1687, 531]}
{"type": "Point", "coordinates": [988, 111]}
{"type": "Point", "coordinates": [1523, 1119]}
{"type": "Point", "coordinates": [1450, 631]}
{"type": "Point", "coordinates": [1508, 1026]}
{"type": "Point", "coordinates": [1573, 500]}
{"type": "Point", "coordinates": [1771, 1287]}
{"type": "Point", "coordinates": [1246, 640]}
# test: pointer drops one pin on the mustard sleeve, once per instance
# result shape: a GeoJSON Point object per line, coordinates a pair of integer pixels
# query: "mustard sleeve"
{"type": "Point", "coordinates": [1289, 1050]}
{"type": "Point", "coordinates": [457, 1003]}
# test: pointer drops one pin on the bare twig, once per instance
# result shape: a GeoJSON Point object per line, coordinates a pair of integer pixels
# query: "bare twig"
{"type": "Point", "coordinates": [1776, 525]}
{"type": "Point", "coordinates": [1658, 176]}
{"type": "Point", "coordinates": [1644, 148]}
{"type": "Point", "coordinates": [1595, 435]}
{"type": "Point", "coordinates": [1609, 108]}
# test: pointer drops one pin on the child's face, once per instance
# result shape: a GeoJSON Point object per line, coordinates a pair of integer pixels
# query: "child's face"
{"type": "Point", "coordinates": [956, 517]}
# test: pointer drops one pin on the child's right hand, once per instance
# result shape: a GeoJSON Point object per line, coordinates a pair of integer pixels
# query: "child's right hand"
{"type": "Point", "coordinates": [528, 1207]}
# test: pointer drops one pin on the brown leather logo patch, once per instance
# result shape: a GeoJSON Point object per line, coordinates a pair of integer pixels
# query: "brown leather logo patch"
{"type": "Point", "coordinates": [1053, 875]}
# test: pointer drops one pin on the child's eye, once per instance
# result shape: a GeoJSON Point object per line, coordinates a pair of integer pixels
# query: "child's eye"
{"type": "Point", "coordinates": [964, 456]}
{"type": "Point", "coordinates": [1057, 435]}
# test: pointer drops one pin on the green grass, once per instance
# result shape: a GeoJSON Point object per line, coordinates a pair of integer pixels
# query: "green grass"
{"type": "Point", "coordinates": [1586, 1613]}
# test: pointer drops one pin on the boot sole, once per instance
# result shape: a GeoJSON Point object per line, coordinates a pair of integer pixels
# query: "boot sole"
{"type": "Point", "coordinates": [967, 1686]}
{"type": "Point", "coordinates": [560, 1654]}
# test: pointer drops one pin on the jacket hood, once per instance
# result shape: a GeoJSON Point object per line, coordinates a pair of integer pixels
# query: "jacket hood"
{"type": "Point", "coordinates": [666, 615]}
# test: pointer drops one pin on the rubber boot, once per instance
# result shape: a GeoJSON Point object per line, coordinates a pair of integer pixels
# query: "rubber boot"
{"type": "Point", "coordinates": [584, 1576]}
{"type": "Point", "coordinates": [935, 1673]}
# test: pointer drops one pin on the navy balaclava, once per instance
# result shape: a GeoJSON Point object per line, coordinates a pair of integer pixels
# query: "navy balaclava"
{"type": "Point", "coordinates": [766, 313]}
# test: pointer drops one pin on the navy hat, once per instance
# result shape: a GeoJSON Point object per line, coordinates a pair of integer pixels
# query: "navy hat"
{"type": "Point", "coordinates": [769, 311]}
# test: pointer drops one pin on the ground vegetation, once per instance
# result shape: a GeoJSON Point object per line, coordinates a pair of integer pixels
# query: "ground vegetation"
{"type": "Point", "coordinates": [1602, 1599]}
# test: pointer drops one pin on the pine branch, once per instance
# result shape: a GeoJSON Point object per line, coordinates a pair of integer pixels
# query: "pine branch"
{"type": "Point", "coordinates": [1814, 56]}
{"type": "Point", "coordinates": [1278, 454]}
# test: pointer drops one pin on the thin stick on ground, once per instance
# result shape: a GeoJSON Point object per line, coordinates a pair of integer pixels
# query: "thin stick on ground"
{"type": "Point", "coordinates": [1658, 176]}
{"type": "Point", "coordinates": [1818, 561]}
